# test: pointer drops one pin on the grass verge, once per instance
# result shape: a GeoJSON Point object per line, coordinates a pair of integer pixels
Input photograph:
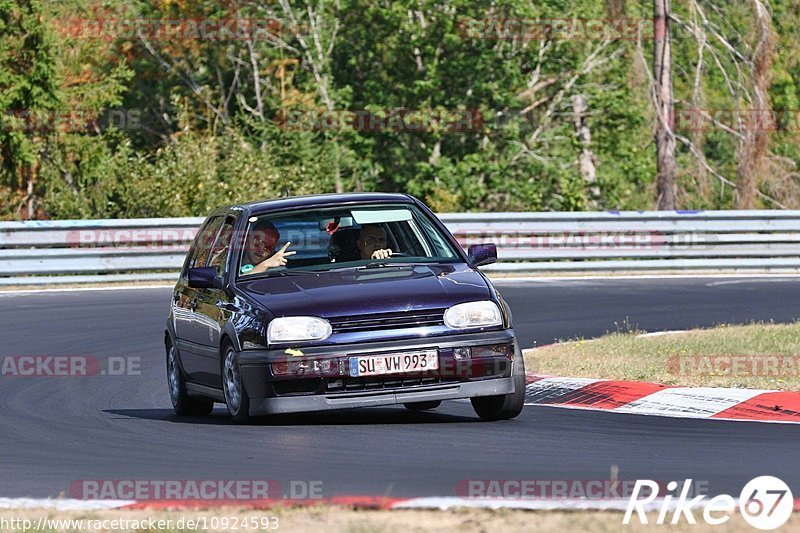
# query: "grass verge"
{"type": "Point", "coordinates": [759, 356]}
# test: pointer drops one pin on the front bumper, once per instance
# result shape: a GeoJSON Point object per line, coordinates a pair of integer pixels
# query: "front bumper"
{"type": "Point", "coordinates": [478, 376]}
{"type": "Point", "coordinates": [296, 404]}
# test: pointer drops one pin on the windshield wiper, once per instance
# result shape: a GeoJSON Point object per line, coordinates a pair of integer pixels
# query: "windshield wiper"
{"type": "Point", "coordinates": [382, 264]}
{"type": "Point", "coordinates": [376, 264]}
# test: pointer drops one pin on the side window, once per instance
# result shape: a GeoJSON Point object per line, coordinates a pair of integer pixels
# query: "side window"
{"type": "Point", "coordinates": [440, 247]}
{"type": "Point", "coordinates": [222, 246]}
{"type": "Point", "coordinates": [202, 243]}
{"type": "Point", "coordinates": [409, 239]}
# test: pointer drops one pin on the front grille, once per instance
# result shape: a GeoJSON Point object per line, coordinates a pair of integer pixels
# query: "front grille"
{"type": "Point", "coordinates": [347, 384]}
{"type": "Point", "coordinates": [376, 322]}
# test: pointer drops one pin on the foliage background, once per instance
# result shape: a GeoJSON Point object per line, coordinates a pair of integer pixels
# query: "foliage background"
{"type": "Point", "coordinates": [203, 124]}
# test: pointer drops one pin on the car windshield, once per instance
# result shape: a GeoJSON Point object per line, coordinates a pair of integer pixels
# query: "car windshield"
{"type": "Point", "coordinates": [342, 237]}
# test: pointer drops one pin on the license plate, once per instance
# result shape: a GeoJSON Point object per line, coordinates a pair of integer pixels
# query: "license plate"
{"type": "Point", "coordinates": [393, 363]}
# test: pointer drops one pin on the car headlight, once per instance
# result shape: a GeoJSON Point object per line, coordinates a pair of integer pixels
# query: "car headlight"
{"type": "Point", "coordinates": [298, 328]}
{"type": "Point", "coordinates": [473, 315]}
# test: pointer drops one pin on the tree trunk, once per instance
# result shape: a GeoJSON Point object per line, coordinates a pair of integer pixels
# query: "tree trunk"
{"type": "Point", "coordinates": [754, 146]}
{"type": "Point", "coordinates": [615, 9]}
{"type": "Point", "coordinates": [337, 168]}
{"type": "Point", "coordinates": [586, 159]}
{"type": "Point", "coordinates": [31, 172]}
{"type": "Point", "coordinates": [665, 139]}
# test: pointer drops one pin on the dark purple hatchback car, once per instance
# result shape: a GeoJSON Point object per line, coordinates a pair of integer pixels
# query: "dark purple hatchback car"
{"type": "Point", "coordinates": [336, 301]}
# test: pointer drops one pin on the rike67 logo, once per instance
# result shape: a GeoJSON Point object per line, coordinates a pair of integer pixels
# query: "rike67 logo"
{"type": "Point", "coordinates": [766, 503]}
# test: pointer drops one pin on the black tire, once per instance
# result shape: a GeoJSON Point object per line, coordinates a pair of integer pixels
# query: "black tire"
{"type": "Point", "coordinates": [236, 397]}
{"type": "Point", "coordinates": [422, 406]}
{"type": "Point", "coordinates": [506, 406]}
{"type": "Point", "coordinates": [182, 403]}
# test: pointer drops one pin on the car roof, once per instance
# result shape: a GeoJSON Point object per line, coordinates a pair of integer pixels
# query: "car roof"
{"type": "Point", "coordinates": [289, 202]}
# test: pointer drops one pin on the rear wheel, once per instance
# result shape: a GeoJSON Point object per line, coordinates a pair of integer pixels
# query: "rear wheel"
{"type": "Point", "coordinates": [183, 404]}
{"type": "Point", "coordinates": [236, 397]}
{"type": "Point", "coordinates": [505, 406]}
{"type": "Point", "coordinates": [423, 406]}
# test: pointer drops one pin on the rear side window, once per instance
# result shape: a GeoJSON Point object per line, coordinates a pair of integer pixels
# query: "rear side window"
{"type": "Point", "coordinates": [201, 248]}
{"type": "Point", "coordinates": [222, 246]}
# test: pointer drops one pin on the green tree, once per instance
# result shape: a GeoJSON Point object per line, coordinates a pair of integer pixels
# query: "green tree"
{"type": "Point", "coordinates": [29, 94]}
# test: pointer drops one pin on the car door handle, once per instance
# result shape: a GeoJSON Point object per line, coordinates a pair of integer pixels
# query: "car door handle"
{"type": "Point", "coordinates": [193, 304]}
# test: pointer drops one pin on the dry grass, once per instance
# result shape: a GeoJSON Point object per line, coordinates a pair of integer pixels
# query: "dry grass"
{"type": "Point", "coordinates": [760, 356]}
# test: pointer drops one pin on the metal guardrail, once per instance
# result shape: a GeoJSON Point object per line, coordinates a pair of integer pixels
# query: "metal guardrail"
{"type": "Point", "coordinates": [90, 251]}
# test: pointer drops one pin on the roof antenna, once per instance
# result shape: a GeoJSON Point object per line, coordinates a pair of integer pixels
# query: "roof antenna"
{"type": "Point", "coordinates": [286, 186]}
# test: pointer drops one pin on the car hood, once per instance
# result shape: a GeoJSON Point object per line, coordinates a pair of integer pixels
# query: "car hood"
{"type": "Point", "coordinates": [392, 289]}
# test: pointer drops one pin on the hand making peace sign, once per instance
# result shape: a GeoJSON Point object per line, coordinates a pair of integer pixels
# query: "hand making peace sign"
{"type": "Point", "coordinates": [277, 259]}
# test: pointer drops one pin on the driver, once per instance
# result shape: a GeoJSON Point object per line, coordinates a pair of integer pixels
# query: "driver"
{"type": "Point", "coordinates": [260, 254]}
{"type": "Point", "coordinates": [371, 242]}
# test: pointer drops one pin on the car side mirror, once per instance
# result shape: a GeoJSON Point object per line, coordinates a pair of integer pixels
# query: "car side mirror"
{"type": "Point", "coordinates": [204, 278]}
{"type": "Point", "coordinates": [482, 254]}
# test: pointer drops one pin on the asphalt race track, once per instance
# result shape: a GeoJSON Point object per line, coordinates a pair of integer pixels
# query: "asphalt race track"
{"type": "Point", "coordinates": [57, 430]}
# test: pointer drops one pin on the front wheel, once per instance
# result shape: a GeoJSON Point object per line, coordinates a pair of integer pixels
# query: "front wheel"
{"type": "Point", "coordinates": [505, 406]}
{"type": "Point", "coordinates": [182, 403]}
{"type": "Point", "coordinates": [236, 397]}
